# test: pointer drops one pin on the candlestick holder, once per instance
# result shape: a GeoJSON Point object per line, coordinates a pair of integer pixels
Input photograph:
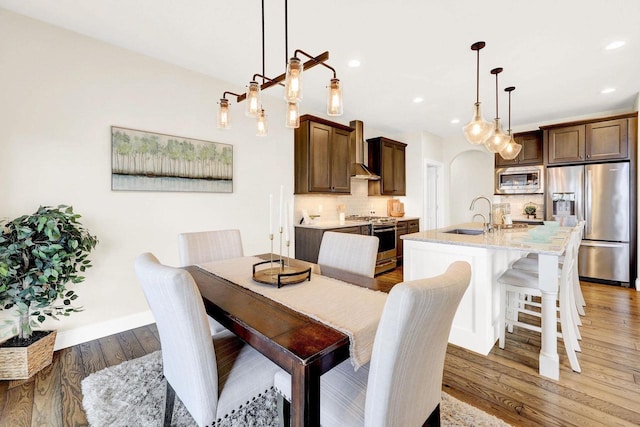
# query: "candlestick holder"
{"type": "Point", "coordinates": [280, 275]}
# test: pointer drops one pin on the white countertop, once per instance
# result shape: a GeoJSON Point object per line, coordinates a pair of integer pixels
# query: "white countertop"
{"type": "Point", "coordinates": [325, 225]}
{"type": "Point", "coordinates": [514, 238]}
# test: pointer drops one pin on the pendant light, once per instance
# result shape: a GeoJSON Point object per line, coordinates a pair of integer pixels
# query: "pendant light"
{"type": "Point", "coordinates": [498, 139]}
{"type": "Point", "coordinates": [512, 149]}
{"type": "Point", "coordinates": [262, 124]}
{"type": "Point", "coordinates": [293, 80]}
{"type": "Point", "coordinates": [292, 117]}
{"type": "Point", "coordinates": [478, 129]}
{"type": "Point", "coordinates": [223, 114]}
{"type": "Point", "coordinates": [334, 99]}
{"type": "Point", "coordinates": [253, 100]}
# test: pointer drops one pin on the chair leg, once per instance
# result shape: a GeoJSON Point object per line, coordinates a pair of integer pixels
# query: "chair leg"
{"type": "Point", "coordinates": [434, 418]}
{"type": "Point", "coordinates": [568, 327]}
{"type": "Point", "coordinates": [170, 399]}
{"type": "Point", "coordinates": [503, 315]}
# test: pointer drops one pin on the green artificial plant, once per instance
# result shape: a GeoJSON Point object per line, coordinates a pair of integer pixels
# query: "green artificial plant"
{"type": "Point", "coordinates": [39, 254]}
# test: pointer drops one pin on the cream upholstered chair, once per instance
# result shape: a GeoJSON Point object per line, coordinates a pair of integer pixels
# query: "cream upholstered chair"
{"type": "Point", "coordinates": [402, 384]}
{"type": "Point", "coordinates": [212, 377]}
{"type": "Point", "coordinates": [354, 253]}
{"type": "Point", "coordinates": [517, 283]}
{"type": "Point", "coordinates": [205, 246]}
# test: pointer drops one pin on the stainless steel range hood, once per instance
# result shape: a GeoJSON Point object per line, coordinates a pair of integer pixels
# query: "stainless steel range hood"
{"type": "Point", "coordinates": [358, 168]}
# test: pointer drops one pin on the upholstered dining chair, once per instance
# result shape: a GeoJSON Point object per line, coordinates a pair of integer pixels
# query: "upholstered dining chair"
{"type": "Point", "coordinates": [213, 377]}
{"type": "Point", "coordinates": [205, 246]}
{"type": "Point", "coordinates": [354, 253]}
{"type": "Point", "coordinates": [402, 384]}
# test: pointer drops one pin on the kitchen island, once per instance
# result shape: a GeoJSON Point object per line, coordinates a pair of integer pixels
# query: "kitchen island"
{"type": "Point", "coordinates": [476, 323]}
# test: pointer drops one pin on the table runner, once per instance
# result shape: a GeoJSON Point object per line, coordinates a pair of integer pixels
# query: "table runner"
{"type": "Point", "coordinates": [353, 310]}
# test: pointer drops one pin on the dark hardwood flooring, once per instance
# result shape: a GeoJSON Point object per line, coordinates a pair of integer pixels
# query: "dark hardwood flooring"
{"type": "Point", "coordinates": [505, 383]}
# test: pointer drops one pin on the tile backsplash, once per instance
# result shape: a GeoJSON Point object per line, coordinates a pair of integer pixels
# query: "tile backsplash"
{"type": "Point", "coordinates": [357, 203]}
{"type": "Point", "coordinates": [518, 201]}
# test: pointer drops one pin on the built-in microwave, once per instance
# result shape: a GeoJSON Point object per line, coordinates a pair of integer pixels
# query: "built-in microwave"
{"type": "Point", "coordinates": [520, 180]}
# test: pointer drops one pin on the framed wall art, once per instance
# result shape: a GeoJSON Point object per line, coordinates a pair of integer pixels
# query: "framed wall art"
{"type": "Point", "coordinates": [147, 161]}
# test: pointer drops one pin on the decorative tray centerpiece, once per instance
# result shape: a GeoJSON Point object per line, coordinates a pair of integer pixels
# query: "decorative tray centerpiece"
{"type": "Point", "coordinates": [278, 274]}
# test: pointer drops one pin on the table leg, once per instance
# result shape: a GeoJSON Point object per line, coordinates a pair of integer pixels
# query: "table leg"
{"type": "Point", "coordinates": [549, 363]}
{"type": "Point", "coordinates": [305, 397]}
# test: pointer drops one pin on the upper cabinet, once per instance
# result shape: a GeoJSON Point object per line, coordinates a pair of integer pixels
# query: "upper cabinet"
{"type": "Point", "coordinates": [594, 141]}
{"type": "Point", "coordinates": [387, 159]}
{"type": "Point", "coordinates": [531, 153]}
{"type": "Point", "coordinates": [322, 157]}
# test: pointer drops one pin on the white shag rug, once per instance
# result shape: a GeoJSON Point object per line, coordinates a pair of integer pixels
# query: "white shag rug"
{"type": "Point", "coordinates": [132, 394]}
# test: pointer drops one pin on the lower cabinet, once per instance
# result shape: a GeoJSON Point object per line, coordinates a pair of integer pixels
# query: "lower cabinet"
{"type": "Point", "coordinates": [405, 227]}
{"type": "Point", "coordinates": [307, 240]}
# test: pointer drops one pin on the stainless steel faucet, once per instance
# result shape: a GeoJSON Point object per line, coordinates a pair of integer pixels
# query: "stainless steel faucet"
{"type": "Point", "coordinates": [485, 227]}
{"type": "Point", "coordinates": [473, 202]}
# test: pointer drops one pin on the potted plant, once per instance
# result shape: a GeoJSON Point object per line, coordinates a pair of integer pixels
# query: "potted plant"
{"type": "Point", "coordinates": [530, 210]}
{"type": "Point", "coordinates": [39, 254]}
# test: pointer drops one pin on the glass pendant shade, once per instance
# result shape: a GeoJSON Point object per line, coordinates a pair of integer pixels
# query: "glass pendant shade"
{"type": "Point", "coordinates": [253, 100]}
{"type": "Point", "coordinates": [293, 81]}
{"type": "Point", "coordinates": [478, 129]}
{"type": "Point", "coordinates": [498, 139]}
{"type": "Point", "coordinates": [223, 114]}
{"type": "Point", "coordinates": [262, 124]}
{"type": "Point", "coordinates": [292, 118]}
{"type": "Point", "coordinates": [334, 99]}
{"type": "Point", "coordinates": [512, 149]}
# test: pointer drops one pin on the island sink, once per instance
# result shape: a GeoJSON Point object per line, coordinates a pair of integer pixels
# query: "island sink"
{"type": "Point", "coordinates": [469, 231]}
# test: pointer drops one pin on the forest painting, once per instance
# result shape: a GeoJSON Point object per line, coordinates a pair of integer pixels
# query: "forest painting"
{"type": "Point", "coordinates": [145, 161]}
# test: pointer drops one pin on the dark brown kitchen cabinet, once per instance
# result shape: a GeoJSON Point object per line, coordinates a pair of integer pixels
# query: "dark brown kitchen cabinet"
{"type": "Point", "coordinates": [531, 153]}
{"type": "Point", "coordinates": [307, 240]}
{"type": "Point", "coordinates": [322, 157]}
{"type": "Point", "coordinates": [404, 227]}
{"type": "Point", "coordinates": [593, 141]}
{"type": "Point", "coordinates": [387, 159]}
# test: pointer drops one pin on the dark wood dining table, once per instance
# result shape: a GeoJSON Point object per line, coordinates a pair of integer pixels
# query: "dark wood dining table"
{"type": "Point", "coordinates": [300, 345]}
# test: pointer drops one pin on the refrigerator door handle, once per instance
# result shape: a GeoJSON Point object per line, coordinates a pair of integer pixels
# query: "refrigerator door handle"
{"type": "Point", "coordinates": [603, 244]}
{"type": "Point", "coordinates": [587, 203]}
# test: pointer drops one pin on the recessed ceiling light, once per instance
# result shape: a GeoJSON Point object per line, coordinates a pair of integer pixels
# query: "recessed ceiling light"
{"type": "Point", "coordinates": [608, 90]}
{"type": "Point", "coordinates": [354, 63]}
{"type": "Point", "coordinates": [615, 45]}
{"type": "Point", "coordinates": [418, 99]}
{"type": "Point", "coordinates": [454, 121]}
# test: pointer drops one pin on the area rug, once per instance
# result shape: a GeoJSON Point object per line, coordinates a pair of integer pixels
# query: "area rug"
{"type": "Point", "coordinates": [132, 394]}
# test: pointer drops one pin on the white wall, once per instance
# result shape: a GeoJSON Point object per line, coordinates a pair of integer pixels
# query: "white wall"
{"type": "Point", "coordinates": [61, 92]}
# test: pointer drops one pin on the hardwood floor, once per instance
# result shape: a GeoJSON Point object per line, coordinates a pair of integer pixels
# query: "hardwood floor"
{"type": "Point", "coordinates": [505, 383]}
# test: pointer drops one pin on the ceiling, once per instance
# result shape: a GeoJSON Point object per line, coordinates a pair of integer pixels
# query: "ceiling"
{"type": "Point", "coordinates": [551, 51]}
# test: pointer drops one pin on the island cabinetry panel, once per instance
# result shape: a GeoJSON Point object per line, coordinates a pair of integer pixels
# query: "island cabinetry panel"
{"type": "Point", "coordinates": [387, 159]}
{"type": "Point", "coordinates": [595, 141]}
{"type": "Point", "coordinates": [404, 227]}
{"type": "Point", "coordinates": [307, 240]}
{"type": "Point", "coordinates": [475, 325]}
{"type": "Point", "coordinates": [531, 153]}
{"type": "Point", "coordinates": [322, 157]}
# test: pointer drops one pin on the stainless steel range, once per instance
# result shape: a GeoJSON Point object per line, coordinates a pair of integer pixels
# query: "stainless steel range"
{"type": "Point", "coordinates": [384, 228]}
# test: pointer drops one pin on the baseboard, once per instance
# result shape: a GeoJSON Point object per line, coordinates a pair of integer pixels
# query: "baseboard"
{"type": "Point", "coordinates": [75, 336]}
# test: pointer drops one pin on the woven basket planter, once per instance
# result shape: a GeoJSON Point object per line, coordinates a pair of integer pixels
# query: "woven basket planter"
{"type": "Point", "coordinates": [18, 363]}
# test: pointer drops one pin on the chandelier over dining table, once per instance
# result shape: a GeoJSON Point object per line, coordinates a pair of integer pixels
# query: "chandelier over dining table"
{"type": "Point", "coordinates": [292, 79]}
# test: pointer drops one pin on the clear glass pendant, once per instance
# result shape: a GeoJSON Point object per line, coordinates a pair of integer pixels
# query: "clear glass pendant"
{"type": "Point", "coordinates": [478, 129]}
{"type": "Point", "coordinates": [498, 140]}
{"type": "Point", "coordinates": [253, 100]}
{"type": "Point", "coordinates": [512, 150]}
{"type": "Point", "coordinates": [334, 99]}
{"type": "Point", "coordinates": [292, 117]}
{"type": "Point", "coordinates": [223, 114]}
{"type": "Point", "coordinates": [262, 124]}
{"type": "Point", "coordinates": [293, 81]}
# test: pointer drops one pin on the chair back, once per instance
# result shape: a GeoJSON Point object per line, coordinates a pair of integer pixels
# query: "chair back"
{"type": "Point", "coordinates": [188, 355]}
{"type": "Point", "coordinates": [354, 253]}
{"type": "Point", "coordinates": [205, 246]}
{"type": "Point", "coordinates": [405, 376]}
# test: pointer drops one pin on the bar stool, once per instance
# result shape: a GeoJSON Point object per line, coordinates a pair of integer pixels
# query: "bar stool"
{"type": "Point", "coordinates": [515, 283]}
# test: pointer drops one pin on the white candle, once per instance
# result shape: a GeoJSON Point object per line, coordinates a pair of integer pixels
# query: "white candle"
{"type": "Point", "coordinates": [281, 204]}
{"type": "Point", "coordinates": [286, 223]}
{"type": "Point", "coordinates": [270, 213]}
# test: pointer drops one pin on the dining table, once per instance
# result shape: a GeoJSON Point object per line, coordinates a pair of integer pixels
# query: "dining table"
{"type": "Point", "coordinates": [304, 347]}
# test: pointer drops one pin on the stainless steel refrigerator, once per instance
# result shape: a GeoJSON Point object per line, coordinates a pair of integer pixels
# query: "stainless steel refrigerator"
{"type": "Point", "coordinates": [599, 194]}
